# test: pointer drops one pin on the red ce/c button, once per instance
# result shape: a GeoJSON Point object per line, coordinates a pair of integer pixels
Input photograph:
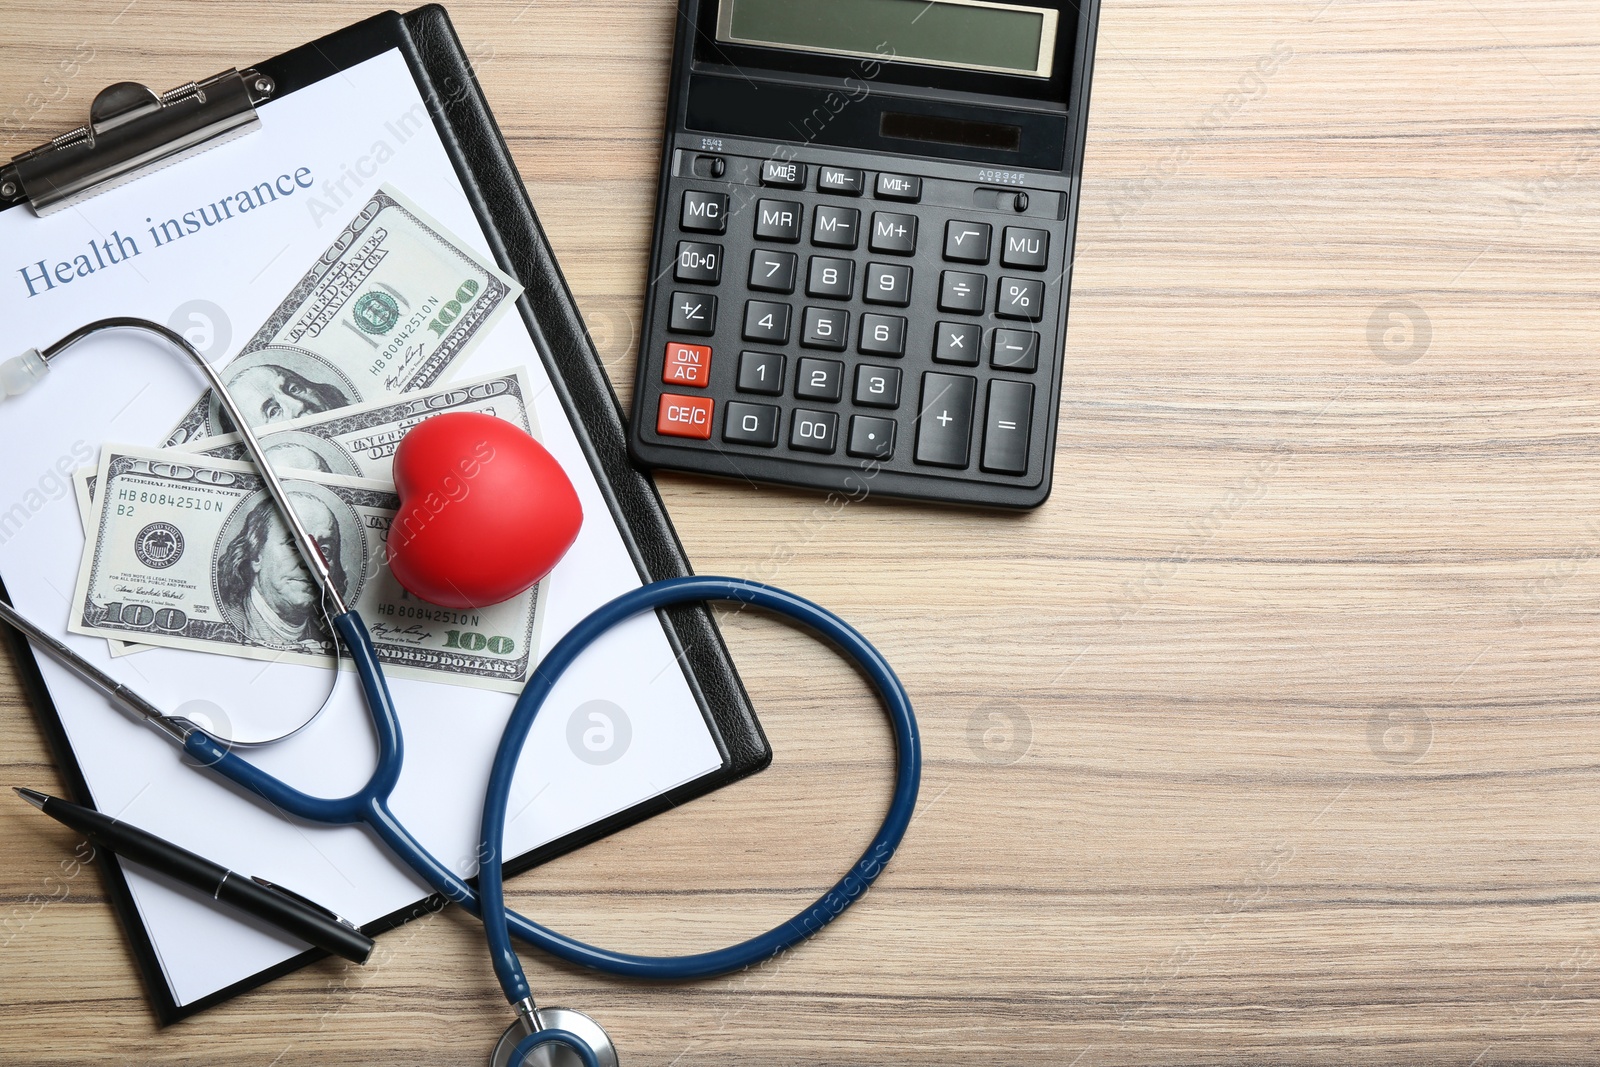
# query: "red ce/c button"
{"type": "Point", "coordinates": [687, 365]}
{"type": "Point", "coordinates": [684, 416]}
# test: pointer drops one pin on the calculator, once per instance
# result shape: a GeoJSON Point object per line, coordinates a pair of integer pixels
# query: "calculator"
{"type": "Point", "coordinates": [863, 244]}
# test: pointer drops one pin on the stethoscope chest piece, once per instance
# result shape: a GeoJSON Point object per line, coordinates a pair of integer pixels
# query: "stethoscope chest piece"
{"type": "Point", "coordinates": [554, 1053]}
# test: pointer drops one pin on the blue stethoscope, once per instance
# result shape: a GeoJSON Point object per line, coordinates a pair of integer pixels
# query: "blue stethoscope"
{"type": "Point", "coordinates": [552, 1037]}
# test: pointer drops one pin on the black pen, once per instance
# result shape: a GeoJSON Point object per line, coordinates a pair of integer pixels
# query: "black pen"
{"type": "Point", "coordinates": [282, 908]}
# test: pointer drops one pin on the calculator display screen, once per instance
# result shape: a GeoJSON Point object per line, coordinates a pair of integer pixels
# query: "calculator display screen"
{"type": "Point", "coordinates": [971, 34]}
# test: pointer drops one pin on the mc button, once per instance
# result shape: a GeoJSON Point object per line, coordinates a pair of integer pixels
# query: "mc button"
{"type": "Point", "coordinates": [684, 416]}
{"type": "Point", "coordinates": [704, 212]}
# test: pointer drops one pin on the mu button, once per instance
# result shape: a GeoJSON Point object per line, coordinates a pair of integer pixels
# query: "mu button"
{"type": "Point", "coordinates": [687, 365]}
{"type": "Point", "coordinates": [684, 416]}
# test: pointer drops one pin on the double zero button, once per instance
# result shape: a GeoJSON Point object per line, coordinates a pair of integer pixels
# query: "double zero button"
{"type": "Point", "coordinates": [698, 261]}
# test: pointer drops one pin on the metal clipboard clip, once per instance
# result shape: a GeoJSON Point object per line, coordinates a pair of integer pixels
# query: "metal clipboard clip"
{"type": "Point", "coordinates": [132, 131]}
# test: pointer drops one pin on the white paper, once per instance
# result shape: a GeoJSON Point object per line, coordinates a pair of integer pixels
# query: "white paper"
{"type": "Point", "coordinates": [361, 127]}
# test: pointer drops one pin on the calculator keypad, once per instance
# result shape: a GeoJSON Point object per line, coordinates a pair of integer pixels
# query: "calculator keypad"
{"type": "Point", "coordinates": [913, 316]}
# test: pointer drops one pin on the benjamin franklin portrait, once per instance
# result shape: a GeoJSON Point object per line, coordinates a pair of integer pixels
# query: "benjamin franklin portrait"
{"type": "Point", "coordinates": [298, 451]}
{"type": "Point", "coordinates": [280, 383]}
{"type": "Point", "coordinates": [264, 588]}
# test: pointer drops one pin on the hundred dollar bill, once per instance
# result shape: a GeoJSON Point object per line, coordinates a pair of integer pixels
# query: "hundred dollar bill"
{"type": "Point", "coordinates": [360, 442]}
{"type": "Point", "coordinates": [189, 552]}
{"type": "Point", "coordinates": [356, 442]}
{"type": "Point", "coordinates": [83, 485]}
{"type": "Point", "coordinates": [389, 308]}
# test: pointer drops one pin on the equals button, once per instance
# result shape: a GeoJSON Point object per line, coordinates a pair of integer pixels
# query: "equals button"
{"type": "Point", "coordinates": [1007, 425]}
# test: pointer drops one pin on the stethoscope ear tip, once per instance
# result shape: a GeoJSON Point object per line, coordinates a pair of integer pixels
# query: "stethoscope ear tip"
{"type": "Point", "coordinates": [553, 1040]}
{"type": "Point", "coordinates": [21, 373]}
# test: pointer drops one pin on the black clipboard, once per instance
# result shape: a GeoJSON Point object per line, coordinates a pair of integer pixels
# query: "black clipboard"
{"type": "Point", "coordinates": [472, 140]}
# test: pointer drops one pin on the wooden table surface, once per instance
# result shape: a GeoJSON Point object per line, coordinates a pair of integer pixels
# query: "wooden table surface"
{"type": "Point", "coordinates": [1272, 736]}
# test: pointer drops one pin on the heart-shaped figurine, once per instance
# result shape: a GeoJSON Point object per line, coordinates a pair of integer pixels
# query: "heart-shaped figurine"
{"type": "Point", "coordinates": [485, 511]}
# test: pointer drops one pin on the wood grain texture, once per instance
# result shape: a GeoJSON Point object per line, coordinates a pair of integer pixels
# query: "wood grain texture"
{"type": "Point", "coordinates": [1272, 736]}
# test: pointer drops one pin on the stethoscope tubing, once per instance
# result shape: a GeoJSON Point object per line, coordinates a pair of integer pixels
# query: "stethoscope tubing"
{"type": "Point", "coordinates": [497, 919]}
{"type": "Point", "coordinates": [370, 804]}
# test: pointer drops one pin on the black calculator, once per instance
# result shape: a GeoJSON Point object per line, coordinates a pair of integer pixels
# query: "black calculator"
{"type": "Point", "coordinates": [863, 245]}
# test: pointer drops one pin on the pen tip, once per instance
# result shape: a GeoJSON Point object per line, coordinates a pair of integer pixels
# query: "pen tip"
{"type": "Point", "coordinates": [32, 796]}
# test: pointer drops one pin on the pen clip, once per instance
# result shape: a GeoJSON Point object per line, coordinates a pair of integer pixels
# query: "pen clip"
{"type": "Point", "coordinates": [307, 901]}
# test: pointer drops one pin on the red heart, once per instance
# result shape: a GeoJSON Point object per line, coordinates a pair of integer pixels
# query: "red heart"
{"type": "Point", "coordinates": [485, 511]}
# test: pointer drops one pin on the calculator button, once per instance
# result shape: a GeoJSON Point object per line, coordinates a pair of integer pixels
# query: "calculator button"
{"type": "Point", "coordinates": [684, 416]}
{"type": "Point", "coordinates": [814, 431]}
{"type": "Point", "coordinates": [871, 437]}
{"type": "Point", "coordinates": [958, 342]}
{"type": "Point", "coordinates": [878, 387]}
{"type": "Point", "coordinates": [1026, 248]}
{"type": "Point", "coordinates": [766, 321]}
{"type": "Point", "coordinates": [704, 212]}
{"type": "Point", "coordinates": [960, 291]}
{"type": "Point", "coordinates": [1005, 427]}
{"type": "Point", "coordinates": [887, 284]}
{"type": "Point", "coordinates": [967, 242]}
{"type": "Point", "coordinates": [826, 328]}
{"type": "Point", "coordinates": [751, 424]}
{"type": "Point", "coordinates": [899, 187]}
{"type": "Point", "coordinates": [831, 277]}
{"type": "Point", "coordinates": [773, 272]}
{"type": "Point", "coordinates": [845, 180]}
{"type": "Point", "coordinates": [778, 220]}
{"type": "Point", "coordinates": [1020, 298]}
{"type": "Point", "coordinates": [783, 175]}
{"type": "Point", "coordinates": [761, 372]}
{"type": "Point", "coordinates": [944, 425]}
{"type": "Point", "coordinates": [819, 379]}
{"type": "Point", "coordinates": [698, 262]}
{"type": "Point", "coordinates": [687, 365]}
{"type": "Point", "coordinates": [835, 227]}
{"type": "Point", "coordinates": [1015, 350]}
{"type": "Point", "coordinates": [693, 313]}
{"type": "Point", "coordinates": [882, 335]}
{"type": "Point", "coordinates": [893, 232]}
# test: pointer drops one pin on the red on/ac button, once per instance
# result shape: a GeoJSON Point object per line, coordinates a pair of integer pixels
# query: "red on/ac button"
{"type": "Point", "coordinates": [687, 365]}
{"type": "Point", "coordinates": [684, 416]}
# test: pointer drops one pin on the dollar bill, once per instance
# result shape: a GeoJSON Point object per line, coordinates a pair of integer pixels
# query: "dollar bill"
{"type": "Point", "coordinates": [356, 442]}
{"type": "Point", "coordinates": [83, 487]}
{"type": "Point", "coordinates": [189, 552]}
{"type": "Point", "coordinates": [360, 442]}
{"type": "Point", "coordinates": [391, 307]}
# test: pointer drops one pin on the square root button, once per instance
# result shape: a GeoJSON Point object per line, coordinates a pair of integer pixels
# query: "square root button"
{"type": "Point", "coordinates": [687, 365]}
{"type": "Point", "coordinates": [684, 416]}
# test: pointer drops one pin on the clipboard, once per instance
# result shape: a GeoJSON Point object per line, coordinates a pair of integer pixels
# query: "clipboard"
{"type": "Point", "coordinates": [133, 131]}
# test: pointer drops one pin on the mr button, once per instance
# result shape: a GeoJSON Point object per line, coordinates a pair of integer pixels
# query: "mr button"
{"type": "Point", "coordinates": [687, 365]}
{"type": "Point", "coordinates": [684, 416]}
